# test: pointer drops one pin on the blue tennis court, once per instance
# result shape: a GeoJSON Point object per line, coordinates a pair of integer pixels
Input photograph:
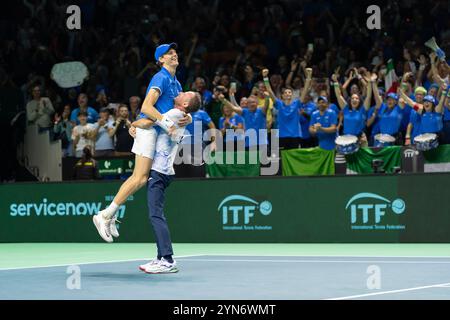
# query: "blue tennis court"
{"type": "Point", "coordinates": [296, 275]}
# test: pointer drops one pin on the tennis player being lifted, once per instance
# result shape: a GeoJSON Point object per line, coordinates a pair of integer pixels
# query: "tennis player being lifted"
{"type": "Point", "coordinates": [161, 93]}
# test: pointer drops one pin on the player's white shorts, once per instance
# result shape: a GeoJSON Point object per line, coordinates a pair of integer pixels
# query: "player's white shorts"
{"type": "Point", "coordinates": [145, 142]}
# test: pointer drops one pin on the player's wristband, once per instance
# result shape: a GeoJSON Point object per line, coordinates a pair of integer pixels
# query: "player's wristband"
{"type": "Point", "coordinates": [165, 123]}
{"type": "Point", "coordinates": [416, 107]}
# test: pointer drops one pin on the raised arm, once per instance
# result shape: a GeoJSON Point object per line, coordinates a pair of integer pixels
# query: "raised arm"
{"type": "Point", "coordinates": [266, 105]}
{"type": "Point", "coordinates": [236, 109]}
{"type": "Point", "coordinates": [294, 65]}
{"type": "Point", "coordinates": [434, 71]}
{"type": "Point", "coordinates": [232, 94]}
{"type": "Point", "coordinates": [349, 79]}
{"type": "Point", "coordinates": [337, 90]}
{"type": "Point", "coordinates": [191, 51]}
{"type": "Point", "coordinates": [440, 106]}
{"type": "Point", "coordinates": [265, 74]}
{"type": "Point", "coordinates": [417, 106]}
{"type": "Point", "coordinates": [306, 88]}
{"type": "Point", "coordinates": [376, 94]}
{"type": "Point", "coordinates": [423, 64]}
{"type": "Point", "coordinates": [141, 73]}
{"type": "Point", "coordinates": [370, 80]}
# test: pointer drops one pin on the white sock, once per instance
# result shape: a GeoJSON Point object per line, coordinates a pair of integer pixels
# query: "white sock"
{"type": "Point", "coordinates": [110, 211]}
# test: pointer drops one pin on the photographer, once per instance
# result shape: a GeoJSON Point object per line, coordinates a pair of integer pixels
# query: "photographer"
{"type": "Point", "coordinates": [124, 142]}
{"type": "Point", "coordinates": [104, 133]}
{"type": "Point", "coordinates": [62, 129]}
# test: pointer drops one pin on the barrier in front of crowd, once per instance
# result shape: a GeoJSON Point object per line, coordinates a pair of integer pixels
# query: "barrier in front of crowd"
{"type": "Point", "coordinates": [42, 156]}
{"type": "Point", "coordinates": [295, 162]}
{"type": "Point", "coordinates": [350, 209]}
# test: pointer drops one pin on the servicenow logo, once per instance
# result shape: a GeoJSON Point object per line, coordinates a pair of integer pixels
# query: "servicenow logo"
{"type": "Point", "coordinates": [238, 213]}
{"type": "Point", "coordinates": [51, 209]}
{"type": "Point", "coordinates": [367, 210]}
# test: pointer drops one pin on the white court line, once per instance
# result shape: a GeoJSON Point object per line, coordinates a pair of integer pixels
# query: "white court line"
{"type": "Point", "coordinates": [442, 285]}
{"type": "Point", "coordinates": [320, 261]}
{"type": "Point", "coordinates": [85, 263]}
{"type": "Point", "coordinates": [247, 260]}
{"type": "Point", "coordinates": [319, 256]}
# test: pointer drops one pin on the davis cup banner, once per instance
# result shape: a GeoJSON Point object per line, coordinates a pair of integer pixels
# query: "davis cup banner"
{"type": "Point", "coordinates": [357, 209]}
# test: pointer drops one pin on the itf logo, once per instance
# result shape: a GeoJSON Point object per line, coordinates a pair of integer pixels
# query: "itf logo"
{"type": "Point", "coordinates": [238, 211]}
{"type": "Point", "coordinates": [368, 209]}
{"type": "Point", "coordinates": [410, 153]}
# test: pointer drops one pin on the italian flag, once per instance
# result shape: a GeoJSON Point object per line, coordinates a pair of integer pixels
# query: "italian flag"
{"type": "Point", "coordinates": [361, 161]}
{"type": "Point", "coordinates": [391, 79]}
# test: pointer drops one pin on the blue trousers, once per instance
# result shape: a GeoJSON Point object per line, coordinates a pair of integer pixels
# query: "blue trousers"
{"type": "Point", "coordinates": [156, 187]}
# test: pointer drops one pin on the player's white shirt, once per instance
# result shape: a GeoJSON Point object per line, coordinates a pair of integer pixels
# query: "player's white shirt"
{"type": "Point", "coordinates": [166, 146]}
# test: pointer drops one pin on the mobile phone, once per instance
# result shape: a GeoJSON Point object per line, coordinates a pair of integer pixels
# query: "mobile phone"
{"type": "Point", "coordinates": [310, 47]}
{"type": "Point", "coordinates": [233, 86]}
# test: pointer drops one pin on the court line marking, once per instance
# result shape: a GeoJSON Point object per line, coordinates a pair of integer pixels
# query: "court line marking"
{"type": "Point", "coordinates": [319, 261]}
{"type": "Point", "coordinates": [86, 263]}
{"type": "Point", "coordinates": [243, 260]}
{"type": "Point", "coordinates": [319, 256]}
{"type": "Point", "coordinates": [441, 285]}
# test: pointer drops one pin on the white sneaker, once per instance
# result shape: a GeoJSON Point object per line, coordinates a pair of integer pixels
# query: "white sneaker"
{"type": "Point", "coordinates": [103, 226]}
{"type": "Point", "coordinates": [162, 267]}
{"type": "Point", "coordinates": [113, 228]}
{"type": "Point", "coordinates": [152, 263]}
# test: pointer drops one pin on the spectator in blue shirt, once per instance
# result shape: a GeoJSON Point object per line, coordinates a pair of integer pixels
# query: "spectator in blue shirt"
{"type": "Point", "coordinates": [354, 112]}
{"type": "Point", "coordinates": [373, 123]}
{"type": "Point", "coordinates": [254, 120]}
{"type": "Point", "coordinates": [306, 110]}
{"type": "Point", "coordinates": [92, 115]}
{"type": "Point", "coordinates": [389, 114]}
{"type": "Point", "coordinates": [446, 124]}
{"type": "Point", "coordinates": [430, 114]}
{"type": "Point", "coordinates": [413, 129]}
{"type": "Point", "coordinates": [323, 125]}
{"type": "Point", "coordinates": [288, 117]}
{"type": "Point", "coordinates": [231, 125]}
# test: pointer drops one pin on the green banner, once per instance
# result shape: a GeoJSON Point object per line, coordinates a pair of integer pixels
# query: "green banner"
{"type": "Point", "coordinates": [361, 161]}
{"type": "Point", "coordinates": [304, 162]}
{"type": "Point", "coordinates": [439, 155]}
{"type": "Point", "coordinates": [234, 164]}
{"type": "Point", "coordinates": [355, 209]}
{"type": "Point", "coordinates": [437, 160]}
